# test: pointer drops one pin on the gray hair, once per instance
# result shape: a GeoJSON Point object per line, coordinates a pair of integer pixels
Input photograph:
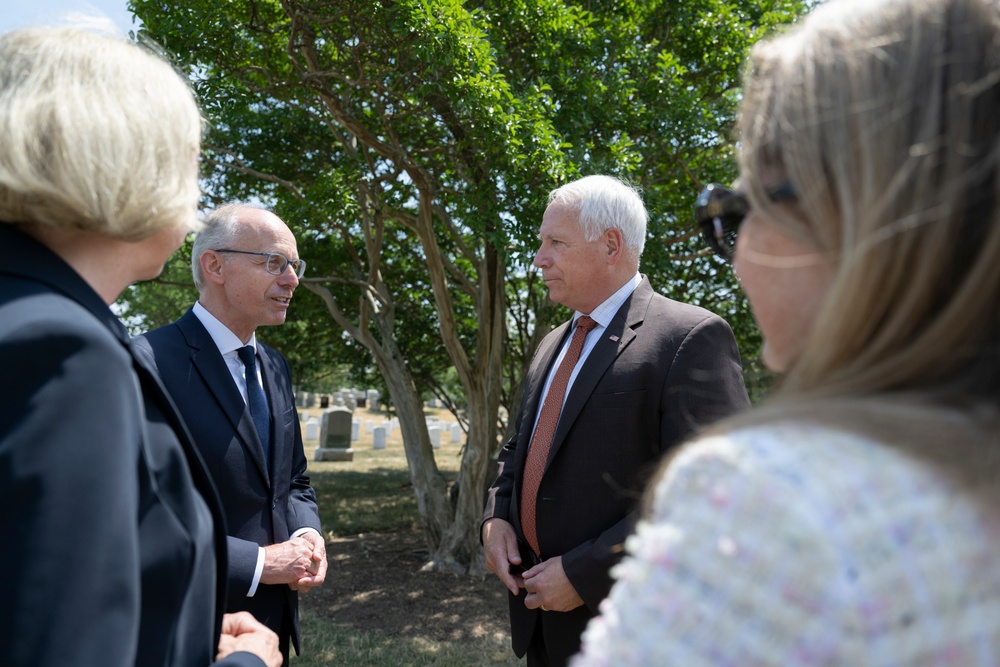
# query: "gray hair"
{"type": "Point", "coordinates": [602, 203]}
{"type": "Point", "coordinates": [97, 134]}
{"type": "Point", "coordinates": [219, 230]}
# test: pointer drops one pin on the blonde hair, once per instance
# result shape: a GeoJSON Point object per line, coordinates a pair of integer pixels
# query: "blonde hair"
{"type": "Point", "coordinates": [885, 117]}
{"type": "Point", "coordinates": [96, 133]}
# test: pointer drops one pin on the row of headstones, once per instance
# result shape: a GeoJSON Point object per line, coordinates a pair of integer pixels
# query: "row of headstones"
{"type": "Point", "coordinates": [442, 433]}
{"type": "Point", "coordinates": [338, 429]}
{"type": "Point", "coordinates": [351, 399]}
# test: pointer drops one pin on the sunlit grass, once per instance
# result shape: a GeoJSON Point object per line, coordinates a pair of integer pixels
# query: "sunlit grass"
{"type": "Point", "coordinates": [328, 644]}
{"type": "Point", "coordinates": [373, 494]}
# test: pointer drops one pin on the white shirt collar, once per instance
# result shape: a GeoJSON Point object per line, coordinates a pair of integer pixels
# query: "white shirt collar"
{"type": "Point", "coordinates": [224, 339]}
{"type": "Point", "coordinates": [605, 312]}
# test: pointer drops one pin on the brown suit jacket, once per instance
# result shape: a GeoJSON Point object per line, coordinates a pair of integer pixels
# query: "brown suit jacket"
{"type": "Point", "coordinates": [661, 370]}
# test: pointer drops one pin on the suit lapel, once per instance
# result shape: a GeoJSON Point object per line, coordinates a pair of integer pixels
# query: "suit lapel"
{"type": "Point", "coordinates": [614, 339]}
{"type": "Point", "coordinates": [208, 361]}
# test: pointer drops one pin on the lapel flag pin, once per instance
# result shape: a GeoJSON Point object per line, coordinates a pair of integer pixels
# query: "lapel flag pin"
{"type": "Point", "coordinates": [614, 339]}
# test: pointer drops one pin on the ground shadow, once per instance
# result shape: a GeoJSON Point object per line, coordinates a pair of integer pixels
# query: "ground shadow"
{"type": "Point", "coordinates": [376, 583]}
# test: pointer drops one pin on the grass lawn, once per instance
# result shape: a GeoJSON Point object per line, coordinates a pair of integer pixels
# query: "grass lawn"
{"type": "Point", "coordinates": [378, 608]}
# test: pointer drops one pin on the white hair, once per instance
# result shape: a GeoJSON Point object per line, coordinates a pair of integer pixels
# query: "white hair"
{"type": "Point", "coordinates": [602, 203]}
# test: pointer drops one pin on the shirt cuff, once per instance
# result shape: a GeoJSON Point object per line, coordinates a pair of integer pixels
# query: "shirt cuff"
{"type": "Point", "coordinates": [300, 531]}
{"type": "Point", "coordinates": [259, 570]}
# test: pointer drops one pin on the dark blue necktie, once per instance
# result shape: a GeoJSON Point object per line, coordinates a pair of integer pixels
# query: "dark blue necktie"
{"type": "Point", "coordinates": [255, 397]}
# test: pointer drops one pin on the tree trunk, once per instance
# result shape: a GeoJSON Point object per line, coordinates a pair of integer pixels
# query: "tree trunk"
{"type": "Point", "coordinates": [429, 486]}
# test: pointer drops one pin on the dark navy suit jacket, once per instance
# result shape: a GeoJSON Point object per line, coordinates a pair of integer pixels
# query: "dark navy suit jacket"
{"type": "Point", "coordinates": [114, 549]}
{"type": "Point", "coordinates": [264, 501]}
{"type": "Point", "coordinates": [661, 370]}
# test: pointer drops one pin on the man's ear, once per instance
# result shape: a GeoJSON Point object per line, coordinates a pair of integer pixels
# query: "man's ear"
{"type": "Point", "coordinates": [615, 243]}
{"type": "Point", "coordinates": [212, 266]}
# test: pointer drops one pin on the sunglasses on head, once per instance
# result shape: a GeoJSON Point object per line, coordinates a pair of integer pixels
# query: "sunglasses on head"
{"type": "Point", "coordinates": [719, 211]}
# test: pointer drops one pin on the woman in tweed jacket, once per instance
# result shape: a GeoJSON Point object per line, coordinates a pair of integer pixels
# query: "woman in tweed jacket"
{"type": "Point", "coordinates": [854, 517]}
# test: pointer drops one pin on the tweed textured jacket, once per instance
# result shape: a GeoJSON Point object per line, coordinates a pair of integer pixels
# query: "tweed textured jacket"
{"type": "Point", "coordinates": [796, 544]}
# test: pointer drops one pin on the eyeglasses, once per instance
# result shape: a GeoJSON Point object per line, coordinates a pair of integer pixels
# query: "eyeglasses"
{"type": "Point", "coordinates": [274, 262]}
{"type": "Point", "coordinates": [719, 211]}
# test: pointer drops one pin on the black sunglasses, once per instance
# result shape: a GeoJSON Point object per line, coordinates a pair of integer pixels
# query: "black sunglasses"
{"type": "Point", "coordinates": [719, 211]}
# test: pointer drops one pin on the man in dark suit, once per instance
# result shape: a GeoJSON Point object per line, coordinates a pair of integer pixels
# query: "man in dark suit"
{"type": "Point", "coordinates": [235, 394]}
{"type": "Point", "coordinates": [630, 376]}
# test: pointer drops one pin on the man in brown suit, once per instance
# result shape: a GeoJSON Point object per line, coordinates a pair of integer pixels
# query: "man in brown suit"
{"type": "Point", "coordinates": [589, 431]}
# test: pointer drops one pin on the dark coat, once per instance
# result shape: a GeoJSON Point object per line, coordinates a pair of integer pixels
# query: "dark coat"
{"type": "Point", "coordinates": [264, 502]}
{"type": "Point", "coordinates": [114, 543]}
{"type": "Point", "coordinates": [661, 370]}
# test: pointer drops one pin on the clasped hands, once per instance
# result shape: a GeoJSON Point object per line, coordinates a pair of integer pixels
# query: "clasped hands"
{"type": "Point", "coordinates": [546, 585]}
{"type": "Point", "coordinates": [299, 562]}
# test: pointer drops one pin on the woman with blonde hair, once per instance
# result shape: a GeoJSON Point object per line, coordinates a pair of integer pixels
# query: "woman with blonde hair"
{"type": "Point", "coordinates": [854, 517]}
{"type": "Point", "coordinates": [114, 547]}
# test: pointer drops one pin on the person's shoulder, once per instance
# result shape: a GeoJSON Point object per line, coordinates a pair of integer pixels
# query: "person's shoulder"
{"type": "Point", "coordinates": [681, 310]}
{"type": "Point", "coordinates": [795, 469]}
{"type": "Point", "coordinates": [793, 443]}
{"type": "Point", "coordinates": [792, 456]}
{"type": "Point", "coordinates": [676, 321]}
{"type": "Point", "coordinates": [55, 320]}
{"type": "Point", "coordinates": [48, 337]}
{"type": "Point", "coordinates": [165, 335]}
{"type": "Point", "coordinates": [162, 348]}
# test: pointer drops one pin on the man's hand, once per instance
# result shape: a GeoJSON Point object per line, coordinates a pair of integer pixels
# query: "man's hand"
{"type": "Point", "coordinates": [318, 576]}
{"type": "Point", "coordinates": [242, 632]}
{"type": "Point", "coordinates": [500, 546]}
{"type": "Point", "coordinates": [548, 587]}
{"type": "Point", "coordinates": [288, 562]}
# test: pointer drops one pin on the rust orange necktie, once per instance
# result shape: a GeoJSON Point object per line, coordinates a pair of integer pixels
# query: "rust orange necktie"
{"type": "Point", "coordinates": [545, 430]}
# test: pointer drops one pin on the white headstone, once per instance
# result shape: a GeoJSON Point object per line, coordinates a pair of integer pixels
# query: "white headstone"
{"type": "Point", "coordinates": [355, 430]}
{"type": "Point", "coordinates": [435, 434]}
{"type": "Point", "coordinates": [378, 437]}
{"type": "Point", "coordinates": [369, 426]}
{"type": "Point", "coordinates": [456, 432]}
{"type": "Point", "coordinates": [312, 428]}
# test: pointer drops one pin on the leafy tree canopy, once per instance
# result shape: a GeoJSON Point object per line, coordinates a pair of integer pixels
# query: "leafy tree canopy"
{"type": "Point", "coordinates": [410, 145]}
